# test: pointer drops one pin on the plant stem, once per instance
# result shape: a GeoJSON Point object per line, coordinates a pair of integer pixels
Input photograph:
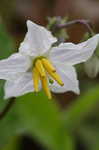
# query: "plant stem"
{"type": "Point", "coordinates": [86, 23]}
{"type": "Point", "coordinates": [7, 108]}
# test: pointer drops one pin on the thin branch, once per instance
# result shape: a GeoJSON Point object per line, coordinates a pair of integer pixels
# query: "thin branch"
{"type": "Point", "coordinates": [7, 108]}
{"type": "Point", "coordinates": [86, 23]}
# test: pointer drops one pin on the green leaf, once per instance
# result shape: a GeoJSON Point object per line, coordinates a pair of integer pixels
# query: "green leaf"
{"type": "Point", "coordinates": [89, 136]}
{"type": "Point", "coordinates": [13, 144]}
{"type": "Point", "coordinates": [10, 125]}
{"type": "Point", "coordinates": [69, 142]}
{"type": "Point", "coordinates": [6, 43]}
{"type": "Point", "coordinates": [80, 108]}
{"type": "Point", "coordinates": [42, 119]}
{"type": "Point", "coordinates": [96, 146]}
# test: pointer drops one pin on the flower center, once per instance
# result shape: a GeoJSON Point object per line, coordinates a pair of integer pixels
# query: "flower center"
{"type": "Point", "coordinates": [42, 69]}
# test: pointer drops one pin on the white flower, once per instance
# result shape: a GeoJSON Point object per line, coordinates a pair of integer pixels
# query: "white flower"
{"type": "Point", "coordinates": [38, 64]}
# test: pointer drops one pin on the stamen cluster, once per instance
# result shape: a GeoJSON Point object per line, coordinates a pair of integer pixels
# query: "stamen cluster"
{"type": "Point", "coordinates": [42, 69]}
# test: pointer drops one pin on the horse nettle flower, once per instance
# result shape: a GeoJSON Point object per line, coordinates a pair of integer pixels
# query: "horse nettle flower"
{"type": "Point", "coordinates": [38, 64]}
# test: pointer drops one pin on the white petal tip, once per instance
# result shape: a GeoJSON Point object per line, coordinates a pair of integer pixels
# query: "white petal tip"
{"type": "Point", "coordinates": [77, 92]}
{"type": "Point", "coordinates": [29, 22]}
{"type": "Point", "coordinates": [6, 97]}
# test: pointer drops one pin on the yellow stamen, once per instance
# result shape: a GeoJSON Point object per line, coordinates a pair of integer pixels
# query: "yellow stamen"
{"type": "Point", "coordinates": [45, 87]}
{"type": "Point", "coordinates": [42, 65]}
{"type": "Point", "coordinates": [56, 77]}
{"type": "Point", "coordinates": [47, 64]}
{"type": "Point", "coordinates": [40, 68]}
{"type": "Point", "coordinates": [36, 78]}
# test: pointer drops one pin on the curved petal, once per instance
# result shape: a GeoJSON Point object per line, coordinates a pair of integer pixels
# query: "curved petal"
{"type": "Point", "coordinates": [72, 54]}
{"type": "Point", "coordinates": [23, 85]}
{"type": "Point", "coordinates": [37, 40]}
{"type": "Point", "coordinates": [13, 66]}
{"type": "Point", "coordinates": [69, 78]}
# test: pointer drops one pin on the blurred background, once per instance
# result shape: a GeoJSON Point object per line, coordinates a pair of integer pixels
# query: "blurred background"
{"type": "Point", "coordinates": [13, 128]}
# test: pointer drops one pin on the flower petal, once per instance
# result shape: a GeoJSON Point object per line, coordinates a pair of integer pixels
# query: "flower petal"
{"type": "Point", "coordinates": [23, 85]}
{"type": "Point", "coordinates": [69, 78]}
{"type": "Point", "coordinates": [37, 41]}
{"type": "Point", "coordinates": [13, 66]}
{"type": "Point", "coordinates": [92, 67]}
{"type": "Point", "coordinates": [72, 54]}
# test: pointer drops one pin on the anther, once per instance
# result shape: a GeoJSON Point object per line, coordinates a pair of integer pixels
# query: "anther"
{"type": "Point", "coordinates": [47, 64]}
{"type": "Point", "coordinates": [45, 87]}
{"type": "Point", "coordinates": [36, 78]}
{"type": "Point", "coordinates": [40, 68]}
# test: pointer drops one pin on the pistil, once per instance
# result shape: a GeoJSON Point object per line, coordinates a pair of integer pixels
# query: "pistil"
{"type": "Point", "coordinates": [56, 77]}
